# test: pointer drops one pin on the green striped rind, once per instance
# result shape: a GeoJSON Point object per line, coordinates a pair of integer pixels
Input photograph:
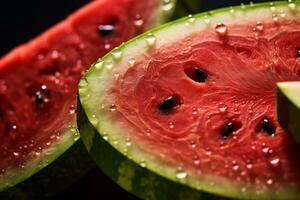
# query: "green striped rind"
{"type": "Point", "coordinates": [63, 161]}
{"type": "Point", "coordinates": [100, 77]}
{"type": "Point", "coordinates": [288, 107]}
{"type": "Point", "coordinates": [130, 175]}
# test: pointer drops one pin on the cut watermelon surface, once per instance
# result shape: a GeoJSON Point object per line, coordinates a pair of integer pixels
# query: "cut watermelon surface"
{"type": "Point", "coordinates": [193, 102]}
{"type": "Point", "coordinates": [38, 81]}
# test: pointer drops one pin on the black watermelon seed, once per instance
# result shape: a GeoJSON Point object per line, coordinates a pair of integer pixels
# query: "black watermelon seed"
{"type": "Point", "coordinates": [229, 129]}
{"type": "Point", "coordinates": [298, 53]}
{"type": "Point", "coordinates": [169, 103]}
{"type": "Point", "coordinates": [196, 74]}
{"type": "Point", "coordinates": [106, 30]}
{"type": "Point", "coordinates": [39, 98]}
{"type": "Point", "coordinates": [267, 127]}
{"type": "Point", "coordinates": [201, 75]}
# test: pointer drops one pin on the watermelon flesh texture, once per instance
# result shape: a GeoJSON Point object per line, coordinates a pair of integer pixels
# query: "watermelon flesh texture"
{"type": "Point", "coordinates": [198, 106]}
{"type": "Point", "coordinates": [38, 81]}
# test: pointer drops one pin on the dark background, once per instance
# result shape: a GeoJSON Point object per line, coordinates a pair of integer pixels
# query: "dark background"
{"type": "Point", "coordinates": [21, 20]}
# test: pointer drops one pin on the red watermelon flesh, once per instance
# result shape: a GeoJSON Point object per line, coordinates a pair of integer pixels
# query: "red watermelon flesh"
{"type": "Point", "coordinates": [206, 103]}
{"type": "Point", "coordinates": [38, 80]}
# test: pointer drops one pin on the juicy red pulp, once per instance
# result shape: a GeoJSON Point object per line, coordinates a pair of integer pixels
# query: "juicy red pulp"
{"type": "Point", "coordinates": [225, 124]}
{"type": "Point", "coordinates": [38, 81]}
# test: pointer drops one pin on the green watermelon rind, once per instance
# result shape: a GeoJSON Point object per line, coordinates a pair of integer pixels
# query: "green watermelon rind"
{"type": "Point", "coordinates": [288, 107]}
{"type": "Point", "coordinates": [92, 87]}
{"type": "Point", "coordinates": [68, 138]}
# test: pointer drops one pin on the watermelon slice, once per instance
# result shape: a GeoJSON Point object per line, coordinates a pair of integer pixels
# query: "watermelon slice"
{"type": "Point", "coordinates": [191, 104]}
{"type": "Point", "coordinates": [288, 107]}
{"type": "Point", "coordinates": [38, 83]}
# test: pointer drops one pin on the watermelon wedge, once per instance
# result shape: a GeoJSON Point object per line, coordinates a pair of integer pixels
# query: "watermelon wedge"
{"type": "Point", "coordinates": [189, 107]}
{"type": "Point", "coordinates": [38, 84]}
{"type": "Point", "coordinates": [288, 107]}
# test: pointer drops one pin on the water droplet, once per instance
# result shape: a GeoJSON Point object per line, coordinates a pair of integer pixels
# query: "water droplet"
{"type": "Point", "coordinates": [117, 54]}
{"type": "Point", "coordinates": [222, 107]}
{"type": "Point", "coordinates": [221, 29]}
{"type": "Point", "coordinates": [243, 6]}
{"type": "Point", "coordinates": [105, 136]}
{"type": "Point", "coordinates": [99, 64]}
{"type": "Point", "coordinates": [54, 54]}
{"type": "Point", "coordinates": [113, 107]}
{"type": "Point", "coordinates": [72, 109]}
{"type": "Point", "coordinates": [265, 149]}
{"type": "Point", "coordinates": [249, 166]}
{"type": "Point", "coordinates": [208, 153]}
{"type": "Point", "coordinates": [16, 154]}
{"type": "Point", "coordinates": [196, 160]}
{"type": "Point", "coordinates": [128, 142]}
{"type": "Point", "coordinates": [206, 20]}
{"type": "Point", "coordinates": [231, 11]}
{"type": "Point", "coordinates": [167, 5]}
{"type": "Point", "coordinates": [243, 189]}
{"type": "Point", "coordinates": [131, 62]}
{"type": "Point", "coordinates": [273, 9]}
{"type": "Point", "coordinates": [195, 111]}
{"type": "Point", "coordinates": [181, 174]}
{"type": "Point", "coordinates": [275, 162]}
{"type": "Point", "coordinates": [115, 141]}
{"type": "Point", "coordinates": [191, 19]}
{"type": "Point", "coordinates": [269, 181]}
{"type": "Point", "coordinates": [37, 153]}
{"type": "Point", "coordinates": [138, 21]}
{"type": "Point", "coordinates": [108, 64]}
{"type": "Point", "coordinates": [193, 144]}
{"type": "Point", "coordinates": [171, 125]}
{"type": "Point", "coordinates": [107, 46]}
{"type": "Point", "coordinates": [259, 26]}
{"type": "Point", "coordinates": [143, 163]}
{"type": "Point", "coordinates": [275, 18]}
{"type": "Point", "coordinates": [150, 40]}
{"type": "Point", "coordinates": [292, 5]}
{"type": "Point", "coordinates": [235, 167]}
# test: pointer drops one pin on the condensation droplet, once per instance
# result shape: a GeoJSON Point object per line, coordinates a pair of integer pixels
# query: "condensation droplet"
{"type": "Point", "coordinates": [231, 11]}
{"type": "Point", "coordinates": [269, 181]}
{"type": "Point", "coordinates": [128, 142]}
{"type": "Point", "coordinates": [108, 64]}
{"type": "Point", "coordinates": [196, 160]}
{"type": "Point", "coordinates": [167, 5]}
{"type": "Point", "coordinates": [117, 54]}
{"type": "Point", "coordinates": [181, 174]}
{"type": "Point", "coordinates": [113, 107]}
{"type": "Point", "coordinates": [72, 109]}
{"type": "Point", "coordinates": [131, 62]}
{"type": "Point", "coordinates": [138, 21]}
{"type": "Point", "coordinates": [171, 125]}
{"type": "Point", "coordinates": [243, 189]}
{"type": "Point", "coordinates": [143, 163]}
{"type": "Point", "coordinates": [99, 65]}
{"type": "Point", "coordinates": [191, 19]}
{"type": "Point", "coordinates": [16, 154]}
{"type": "Point", "coordinates": [222, 107]}
{"type": "Point", "coordinates": [194, 111]}
{"type": "Point", "coordinates": [235, 167]}
{"type": "Point", "coordinates": [221, 29]}
{"type": "Point", "coordinates": [292, 5]}
{"type": "Point", "coordinates": [259, 26]}
{"type": "Point", "coordinates": [249, 166]}
{"type": "Point", "coordinates": [107, 46]}
{"type": "Point", "coordinates": [275, 162]}
{"type": "Point", "coordinates": [150, 40]}
{"type": "Point", "coordinates": [275, 18]}
{"type": "Point", "coordinates": [206, 20]}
